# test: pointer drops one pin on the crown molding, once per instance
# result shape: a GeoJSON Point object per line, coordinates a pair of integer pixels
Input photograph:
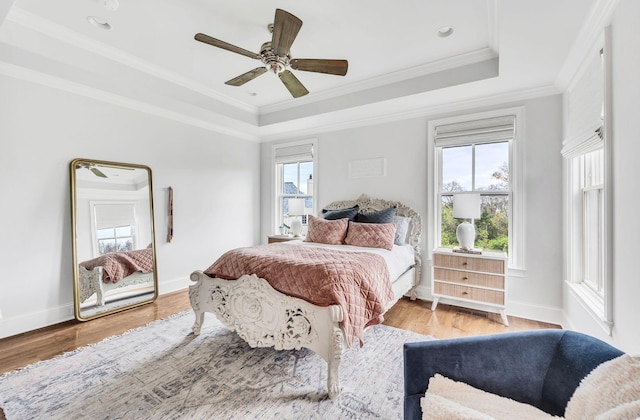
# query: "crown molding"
{"type": "Point", "coordinates": [592, 29]}
{"type": "Point", "coordinates": [46, 27]}
{"type": "Point", "coordinates": [216, 123]}
{"type": "Point", "coordinates": [325, 126]}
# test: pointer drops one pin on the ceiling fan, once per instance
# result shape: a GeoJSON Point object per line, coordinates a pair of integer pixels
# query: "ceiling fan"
{"type": "Point", "coordinates": [92, 168]}
{"type": "Point", "coordinates": [275, 55]}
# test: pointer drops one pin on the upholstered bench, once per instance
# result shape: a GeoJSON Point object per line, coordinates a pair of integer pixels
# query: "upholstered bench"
{"type": "Point", "coordinates": [540, 368]}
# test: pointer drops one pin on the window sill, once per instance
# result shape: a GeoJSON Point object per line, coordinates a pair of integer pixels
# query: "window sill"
{"type": "Point", "coordinates": [593, 304]}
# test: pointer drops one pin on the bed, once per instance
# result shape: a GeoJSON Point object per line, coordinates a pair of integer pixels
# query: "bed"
{"type": "Point", "coordinates": [116, 270]}
{"type": "Point", "coordinates": [268, 296]}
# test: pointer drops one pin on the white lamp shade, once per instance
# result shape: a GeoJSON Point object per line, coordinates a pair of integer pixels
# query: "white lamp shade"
{"type": "Point", "coordinates": [296, 206]}
{"type": "Point", "coordinates": [466, 206]}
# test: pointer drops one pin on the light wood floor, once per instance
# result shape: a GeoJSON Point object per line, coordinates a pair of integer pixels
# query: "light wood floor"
{"type": "Point", "coordinates": [446, 322]}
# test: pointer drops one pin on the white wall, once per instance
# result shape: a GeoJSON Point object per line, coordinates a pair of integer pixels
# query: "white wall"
{"type": "Point", "coordinates": [538, 294]}
{"type": "Point", "coordinates": [214, 177]}
{"type": "Point", "coordinates": [626, 150]}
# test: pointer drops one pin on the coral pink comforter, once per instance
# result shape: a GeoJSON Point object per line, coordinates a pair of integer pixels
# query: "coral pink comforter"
{"type": "Point", "coordinates": [118, 265]}
{"type": "Point", "coordinates": [357, 281]}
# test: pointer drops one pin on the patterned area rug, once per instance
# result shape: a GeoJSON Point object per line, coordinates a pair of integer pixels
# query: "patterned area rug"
{"type": "Point", "coordinates": [162, 371]}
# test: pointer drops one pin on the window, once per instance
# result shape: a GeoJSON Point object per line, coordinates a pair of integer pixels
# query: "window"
{"type": "Point", "coordinates": [295, 177]}
{"type": "Point", "coordinates": [478, 154]}
{"type": "Point", "coordinates": [587, 185]}
{"type": "Point", "coordinates": [114, 224]}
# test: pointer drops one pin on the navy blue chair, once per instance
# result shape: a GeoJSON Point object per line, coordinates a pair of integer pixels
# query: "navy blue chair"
{"type": "Point", "coordinates": [541, 368]}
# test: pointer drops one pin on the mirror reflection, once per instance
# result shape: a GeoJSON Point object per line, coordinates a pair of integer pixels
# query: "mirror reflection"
{"type": "Point", "coordinates": [113, 247]}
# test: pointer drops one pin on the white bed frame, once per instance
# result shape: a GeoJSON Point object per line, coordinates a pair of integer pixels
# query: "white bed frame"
{"type": "Point", "coordinates": [264, 317]}
{"type": "Point", "coordinates": [90, 282]}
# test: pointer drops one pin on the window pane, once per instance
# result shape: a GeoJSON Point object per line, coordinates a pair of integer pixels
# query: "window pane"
{"type": "Point", "coordinates": [123, 231]}
{"type": "Point", "coordinates": [448, 223]}
{"type": "Point", "coordinates": [456, 168]}
{"type": "Point", "coordinates": [106, 245]}
{"type": "Point", "coordinates": [593, 209]}
{"type": "Point", "coordinates": [125, 244]}
{"type": "Point", "coordinates": [492, 230]}
{"type": "Point", "coordinates": [105, 233]}
{"type": "Point", "coordinates": [492, 167]}
{"type": "Point", "coordinates": [306, 171]}
{"type": "Point", "coordinates": [290, 175]}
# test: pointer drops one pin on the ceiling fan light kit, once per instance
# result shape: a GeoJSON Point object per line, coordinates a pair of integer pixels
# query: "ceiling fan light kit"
{"type": "Point", "coordinates": [276, 56]}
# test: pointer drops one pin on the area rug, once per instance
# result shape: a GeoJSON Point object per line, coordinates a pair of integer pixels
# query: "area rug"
{"type": "Point", "coordinates": [162, 371]}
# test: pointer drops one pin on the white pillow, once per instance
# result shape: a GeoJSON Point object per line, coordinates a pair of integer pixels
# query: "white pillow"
{"type": "Point", "coordinates": [610, 391]}
{"type": "Point", "coordinates": [488, 405]}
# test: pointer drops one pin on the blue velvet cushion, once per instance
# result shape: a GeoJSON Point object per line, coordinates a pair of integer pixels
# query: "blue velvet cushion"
{"type": "Point", "coordinates": [542, 368]}
{"type": "Point", "coordinates": [349, 213]}
{"type": "Point", "coordinates": [380, 216]}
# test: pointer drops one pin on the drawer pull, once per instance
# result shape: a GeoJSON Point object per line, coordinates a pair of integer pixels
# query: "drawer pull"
{"type": "Point", "coordinates": [465, 278]}
{"type": "Point", "coordinates": [464, 263]}
{"type": "Point", "coordinates": [465, 293]}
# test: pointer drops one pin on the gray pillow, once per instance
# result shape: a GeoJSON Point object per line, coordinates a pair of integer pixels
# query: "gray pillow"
{"type": "Point", "coordinates": [402, 228]}
{"type": "Point", "coordinates": [380, 216]}
{"type": "Point", "coordinates": [349, 213]}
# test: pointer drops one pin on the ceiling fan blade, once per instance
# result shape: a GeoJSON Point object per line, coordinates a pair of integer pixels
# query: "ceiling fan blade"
{"type": "Point", "coordinates": [294, 86]}
{"type": "Point", "coordinates": [285, 30]}
{"type": "Point", "coordinates": [225, 45]}
{"type": "Point", "coordinates": [337, 67]}
{"type": "Point", "coordinates": [98, 172]}
{"type": "Point", "coordinates": [246, 77]}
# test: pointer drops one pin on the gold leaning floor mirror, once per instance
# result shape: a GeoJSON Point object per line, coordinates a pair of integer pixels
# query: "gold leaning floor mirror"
{"type": "Point", "coordinates": [113, 240]}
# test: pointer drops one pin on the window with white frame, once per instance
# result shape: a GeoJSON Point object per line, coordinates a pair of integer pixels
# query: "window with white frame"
{"type": "Point", "coordinates": [587, 203]}
{"type": "Point", "coordinates": [114, 227]}
{"type": "Point", "coordinates": [294, 180]}
{"type": "Point", "coordinates": [477, 154]}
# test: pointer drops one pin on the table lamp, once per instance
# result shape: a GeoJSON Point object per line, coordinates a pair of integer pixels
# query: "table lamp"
{"type": "Point", "coordinates": [466, 206]}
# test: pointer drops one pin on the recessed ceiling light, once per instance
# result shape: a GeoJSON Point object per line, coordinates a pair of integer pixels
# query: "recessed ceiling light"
{"type": "Point", "coordinates": [99, 22]}
{"type": "Point", "coordinates": [111, 4]}
{"type": "Point", "coordinates": [445, 31]}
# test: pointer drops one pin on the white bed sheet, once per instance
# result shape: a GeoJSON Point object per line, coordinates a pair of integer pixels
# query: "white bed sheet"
{"type": "Point", "coordinates": [399, 259]}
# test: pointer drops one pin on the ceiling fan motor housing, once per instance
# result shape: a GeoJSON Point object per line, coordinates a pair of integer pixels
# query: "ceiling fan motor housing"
{"type": "Point", "coordinates": [274, 62]}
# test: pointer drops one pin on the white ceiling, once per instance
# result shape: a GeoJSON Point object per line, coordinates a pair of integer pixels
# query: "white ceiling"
{"type": "Point", "coordinates": [397, 63]}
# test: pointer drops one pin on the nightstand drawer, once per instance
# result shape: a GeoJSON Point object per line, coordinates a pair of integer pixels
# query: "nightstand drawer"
{"type": "Point", "coordinates": [470, 293]}
{"type": "Point", "coordinates": [462, 262]}
{"type": "Point", "coordinates": [469, 278]}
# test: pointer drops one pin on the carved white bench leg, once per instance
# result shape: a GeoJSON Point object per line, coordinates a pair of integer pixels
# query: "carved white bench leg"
{"type": "Point", "coordinates": [194, 297]}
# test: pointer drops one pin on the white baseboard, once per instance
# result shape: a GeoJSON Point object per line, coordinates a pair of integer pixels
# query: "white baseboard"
{"type": "Point", "coordinates": [32, 321]}
{"type": "Point", "coordinates": [28, 322]}
{"type": "Point", "coordinates": [514, 308]}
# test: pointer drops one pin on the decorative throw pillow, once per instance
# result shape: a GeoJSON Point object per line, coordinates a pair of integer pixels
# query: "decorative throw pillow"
{"type": "Point", "coordinates": [610, 391]}
{"type": "Point", "coordinates": [323, 231]}
{"type": "Point", "coordinates": [484, 404]}
{"type": "Point", "coordinates": [402, 229]}
{"type": "Point", "coordinates": [349, 213]}
{"type": "Point", "coordinates": [380, 216]}
{"type": "Point", "coordinates": [371, 235]}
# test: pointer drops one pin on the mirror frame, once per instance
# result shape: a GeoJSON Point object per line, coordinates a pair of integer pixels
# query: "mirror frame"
{"type": "Point", "coordinates": [76, 273]}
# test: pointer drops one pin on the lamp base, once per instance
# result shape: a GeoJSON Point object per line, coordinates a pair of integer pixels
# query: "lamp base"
{"type": "Point", "coordinates": [466, 234]}
{"type": "Point", "coordinates": [296, 227]}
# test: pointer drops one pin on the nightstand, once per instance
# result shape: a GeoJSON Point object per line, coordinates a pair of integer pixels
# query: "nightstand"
{"type": "Point", "coordinates": [283, 238]}
{"type": "Point", "coordinates": [470, 278]}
